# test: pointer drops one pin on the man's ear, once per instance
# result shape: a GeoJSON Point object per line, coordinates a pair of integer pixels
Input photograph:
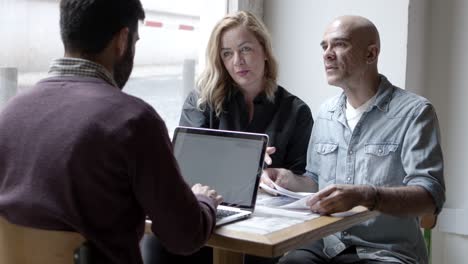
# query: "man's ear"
{"type": "Point", "coordinates": [372, 53]}
{"type": "Point", "coordinates": [121, 41]}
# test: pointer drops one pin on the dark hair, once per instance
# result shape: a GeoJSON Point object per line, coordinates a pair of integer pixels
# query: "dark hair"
{"type": "Point", "coordinates": [88, 26]}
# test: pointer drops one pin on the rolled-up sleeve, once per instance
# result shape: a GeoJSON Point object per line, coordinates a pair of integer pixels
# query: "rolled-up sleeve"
{"type": "Point", "coordinates": [422, 154]}
{"type": "Point", "coordinates": [312, 160]}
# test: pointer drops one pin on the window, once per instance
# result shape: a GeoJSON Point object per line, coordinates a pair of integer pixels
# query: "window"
{"type": "Point", "coordinates": [171, 47]}
{"type": "Point", "coordinates": [173, 35]}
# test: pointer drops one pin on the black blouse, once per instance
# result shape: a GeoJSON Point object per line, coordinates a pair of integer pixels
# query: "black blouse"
{"type": "Point", "coordinates": [287, 121]}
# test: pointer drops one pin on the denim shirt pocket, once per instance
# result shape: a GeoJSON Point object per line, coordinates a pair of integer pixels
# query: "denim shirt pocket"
{"type": "Point", "coordinates": [327, 154]}
{"type": "Point", "coordinates": [382, 163]}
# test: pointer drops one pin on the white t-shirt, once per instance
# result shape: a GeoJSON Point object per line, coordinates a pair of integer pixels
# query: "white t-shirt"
{"type": "Point", "coordinates": [354, 114]}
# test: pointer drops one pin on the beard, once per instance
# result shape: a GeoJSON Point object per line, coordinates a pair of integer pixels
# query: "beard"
{"type": "Point", "coordinates": [124, 67]}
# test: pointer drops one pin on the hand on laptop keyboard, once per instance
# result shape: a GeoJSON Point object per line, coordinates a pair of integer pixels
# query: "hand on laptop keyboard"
{"type": "Point", "coordinates": [199, 189]}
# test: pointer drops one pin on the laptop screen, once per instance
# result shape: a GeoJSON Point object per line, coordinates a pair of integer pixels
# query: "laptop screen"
{"type": "Point", "coordinates": [230, 162]}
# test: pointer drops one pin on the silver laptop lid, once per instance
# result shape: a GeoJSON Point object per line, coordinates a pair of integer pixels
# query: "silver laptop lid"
{"type": "Point", "coordinates": [229, 161]}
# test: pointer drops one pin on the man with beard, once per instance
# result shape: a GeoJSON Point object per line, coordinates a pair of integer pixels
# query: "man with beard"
{"type": "Point", "coordinates": [78, 154]}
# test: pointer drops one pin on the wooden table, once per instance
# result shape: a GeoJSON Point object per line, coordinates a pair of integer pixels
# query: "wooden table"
{"type": "Point", "coordinates": [229, 246]}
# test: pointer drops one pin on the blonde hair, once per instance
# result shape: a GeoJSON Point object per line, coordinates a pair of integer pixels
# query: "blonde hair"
{"type": "Point", "coordinates": [214, 83]}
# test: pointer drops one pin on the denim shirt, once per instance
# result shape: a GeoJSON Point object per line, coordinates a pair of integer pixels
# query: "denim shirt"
{"type": "Point", "coordinates": [395, 143]}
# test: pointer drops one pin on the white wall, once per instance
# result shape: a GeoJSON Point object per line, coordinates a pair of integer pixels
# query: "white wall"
{"type": "Point", "coordinates": [416, 59]}
{"type": "Point", "coordinates": [446, 86]}
{"type": "Point", "coordinates": [297, 28]}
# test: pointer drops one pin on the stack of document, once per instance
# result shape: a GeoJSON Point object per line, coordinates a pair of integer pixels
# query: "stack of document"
{"type": "Point", "coordinates": [294, 200]}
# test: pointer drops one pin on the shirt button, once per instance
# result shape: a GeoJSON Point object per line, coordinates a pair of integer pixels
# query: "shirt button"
{"type": "Point", "coordinates": [350, 152]}
{"type": "Point", "coordinates": [349, 178]}
{"type": "Point", "coordinates": [380, 150]}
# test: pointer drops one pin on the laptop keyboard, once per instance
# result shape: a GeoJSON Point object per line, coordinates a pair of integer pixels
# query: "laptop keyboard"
{"type": "Point", "coordinates": [224, 213]}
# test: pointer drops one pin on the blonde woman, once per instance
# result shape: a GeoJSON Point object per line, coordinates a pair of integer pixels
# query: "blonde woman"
{"type": "Point", "coordinates": [238, 91]}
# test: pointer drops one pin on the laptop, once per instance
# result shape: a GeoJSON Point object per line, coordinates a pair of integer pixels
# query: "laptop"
{"type": "Point", "coordinates": [231, 162]}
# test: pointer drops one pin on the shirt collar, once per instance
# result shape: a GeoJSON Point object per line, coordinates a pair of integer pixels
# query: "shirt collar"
{"type": "Point", "coordinates": [236, 94]}
{"type": "Point", "coordinates": [80, 67]}
{"type": "Point", "coordinates": [384, 94]}
{"type": "Point", "coordinates": [381, 101]}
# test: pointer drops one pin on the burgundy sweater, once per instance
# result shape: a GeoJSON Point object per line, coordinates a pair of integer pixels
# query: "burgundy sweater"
{"type": "Point", "coordinates": [79, 154]}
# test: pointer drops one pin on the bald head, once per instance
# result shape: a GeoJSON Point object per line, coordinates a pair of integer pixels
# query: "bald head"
{"type": "Point", "coordinates": [359, 29]}
{"type": "Point", "coordinates": [351, 47]}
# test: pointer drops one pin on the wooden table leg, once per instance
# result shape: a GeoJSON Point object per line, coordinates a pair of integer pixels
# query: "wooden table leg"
{"type": "Point", "coordinates": [222, 256]}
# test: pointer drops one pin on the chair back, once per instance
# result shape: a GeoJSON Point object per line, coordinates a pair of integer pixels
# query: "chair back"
{"type": "Point", "coordinates": [428, 221]}
{"type": "Point", "coordinates": [24, 245]}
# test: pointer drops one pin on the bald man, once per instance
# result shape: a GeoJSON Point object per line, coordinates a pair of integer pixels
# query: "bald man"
{"type": "Point", "coordinates": [374, 145]}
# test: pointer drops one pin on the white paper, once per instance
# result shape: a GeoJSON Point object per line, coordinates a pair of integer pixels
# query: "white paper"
{"type": "Point", "coordinates": [282, 191]}
{"type": "Point", "coordinates": [264, 199]}
{"type": "Point", "coordinates": [298, 204]}
{"type": "Point", "coordinates": [297, 195]}
{"type": "Point", "coordinates": [266, 220]}
{"type": "Point", "coordinates": [302, 214]}
{"type": "Point", "coordinates": [258, 224]}
{"type": "Point", "coordinates": [268, 189]}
